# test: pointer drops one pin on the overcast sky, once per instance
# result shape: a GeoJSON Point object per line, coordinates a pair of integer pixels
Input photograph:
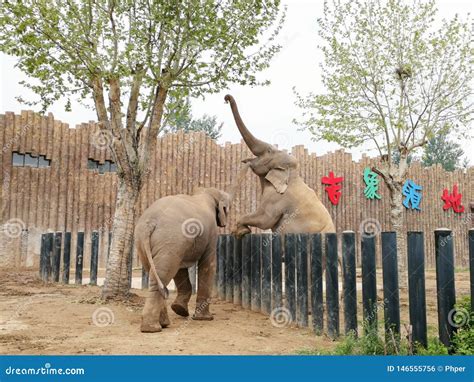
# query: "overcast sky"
{"type": "Point", "coordinates": [268, 111]}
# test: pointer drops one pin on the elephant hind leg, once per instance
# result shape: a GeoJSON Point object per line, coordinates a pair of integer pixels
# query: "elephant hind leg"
{"type": "Point", "coordinates": [183, 285]}
{"type": "Point", "coordinates": [152, 312]}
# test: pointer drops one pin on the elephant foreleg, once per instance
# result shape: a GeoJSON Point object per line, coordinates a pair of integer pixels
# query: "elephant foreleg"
{"type": "Point", "coordinates": [262, 218]}
{"type": "Point", "coordinates": [206, 273]}
{"type": "Point", "coordinates": [180, 304]}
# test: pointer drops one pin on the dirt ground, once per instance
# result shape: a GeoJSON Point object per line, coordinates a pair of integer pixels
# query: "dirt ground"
{"type": "Point", "coordinates": [40, 318]}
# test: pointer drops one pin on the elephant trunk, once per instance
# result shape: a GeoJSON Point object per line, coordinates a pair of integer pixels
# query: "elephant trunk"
{"type": "Point", "coordinates": [256, 146]}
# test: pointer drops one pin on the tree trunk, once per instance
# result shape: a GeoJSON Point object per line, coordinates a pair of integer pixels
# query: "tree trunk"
{"type": "Point", "coordinates": [398, 224]}
{"type": "Point", "coordinates": [117, 275]}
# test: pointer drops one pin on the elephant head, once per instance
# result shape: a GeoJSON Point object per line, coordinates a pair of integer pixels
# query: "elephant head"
{"type": "Point", "coordinates": [223, 202]}
{"type": "Point", "coordinates": [273, 165]}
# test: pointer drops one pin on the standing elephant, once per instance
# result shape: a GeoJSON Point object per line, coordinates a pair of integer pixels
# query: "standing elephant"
{"type": "Point", "coordinates": [287, 205]}
{"type": "Point", "coordinates": [172, 235]}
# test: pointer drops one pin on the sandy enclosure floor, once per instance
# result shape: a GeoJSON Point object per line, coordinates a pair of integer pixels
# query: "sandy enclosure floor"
{"type": "Point", "coordinates": [38, 318]}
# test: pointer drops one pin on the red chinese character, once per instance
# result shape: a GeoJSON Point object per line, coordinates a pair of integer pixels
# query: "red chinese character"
{"type": "Point", "coordinates": [452, 200]}
{"type": "Point", "coordinates": [333, 187]}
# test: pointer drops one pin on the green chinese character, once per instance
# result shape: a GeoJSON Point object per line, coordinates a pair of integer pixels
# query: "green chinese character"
{"type": "Point", "coordinates": [372, 184]}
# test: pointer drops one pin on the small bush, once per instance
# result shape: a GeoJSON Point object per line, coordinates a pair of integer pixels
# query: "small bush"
{"type": "Point", "coordinates": [463, 339]}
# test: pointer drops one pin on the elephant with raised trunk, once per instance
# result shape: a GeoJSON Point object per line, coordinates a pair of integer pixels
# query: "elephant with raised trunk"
{"type": "Point", "coordinates": [172, 235]}
{"type": "Point", "coordinates": [287, 204]}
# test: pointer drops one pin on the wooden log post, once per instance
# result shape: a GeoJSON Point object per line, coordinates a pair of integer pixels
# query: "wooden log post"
{"type": "Point", "coordinates": [416, 287]}
{"type": "Point", "coordinates": [94, 257]}
{"type": "Point", "coordinates": [332, 285]}
{"type": "Point", "coordinates": [266, 273]}
{"type": "Point", "coordinates": [255, 269]}
{"type": "Point", "coordinates": [317, 306]}
{"type": "Point", "coordinates": [79, 257]}
{"type": "Point", "coordinates": [369, 282]}
{"type": "Point", "coordinates": [445, 288]}
{"type": "Point", "coordinates": [302, 280]}
{"type": "Point", "coordinates": [350, 285]}
{"type": "Point", "coordinates": [390, 286]}
{"type": "Point", "coordinates": [66, 257]}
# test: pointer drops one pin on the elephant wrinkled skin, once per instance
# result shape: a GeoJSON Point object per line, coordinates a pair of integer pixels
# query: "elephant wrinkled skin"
{"type": "Point", "coordinates": [287, 204]}
{"type": "Point", "coordinates": [172, 235]}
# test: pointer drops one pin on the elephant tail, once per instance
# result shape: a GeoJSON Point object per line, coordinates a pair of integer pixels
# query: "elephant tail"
{"type": "Point", "coordinates": [145, 236]}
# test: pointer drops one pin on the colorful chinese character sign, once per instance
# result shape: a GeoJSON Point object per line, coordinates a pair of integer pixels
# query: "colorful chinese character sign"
{"type": "Point", "coordinates": [452, 200]}
{"type": "Point", "coordinates": [372, 184]}
{"type": "Point", "coordinates": [333, 187]}
{"type": "Point", "coordinates": [413, 197]}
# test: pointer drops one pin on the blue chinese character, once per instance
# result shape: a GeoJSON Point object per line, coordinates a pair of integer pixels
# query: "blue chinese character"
{"type": "Point", "coordinates": [410, 190]}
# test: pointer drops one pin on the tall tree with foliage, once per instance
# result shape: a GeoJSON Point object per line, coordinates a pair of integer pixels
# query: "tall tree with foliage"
{"type": "Point", "coordinates": [180, 117]}
{"type": "Point", "coordinates": [391, 78]}
{"type": "Point", "coordinates": [127, 56]}
{"type": "Point", "coordinates": [440, 149]}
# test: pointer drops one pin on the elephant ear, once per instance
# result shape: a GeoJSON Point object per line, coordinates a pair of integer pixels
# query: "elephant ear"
{"type": "Point", "coordinates": [278, 177]}
{"type": "Point", "coordinates": [222, 210]}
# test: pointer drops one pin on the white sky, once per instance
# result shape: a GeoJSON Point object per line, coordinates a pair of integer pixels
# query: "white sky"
{"type": "Point", "coordinates": [268, 111]}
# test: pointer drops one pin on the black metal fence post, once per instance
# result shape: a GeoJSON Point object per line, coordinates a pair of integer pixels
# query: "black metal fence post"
{"type": "Point", "coordinates": [229, 268]}
{"type": "Point", "coordinates": [416, 287]}
{"type": "Point", "coordinates": [221, 257]}
{"type": "Point", "coordinates": [290, 270]}
{"type": "Point", "coordinates": [145, 278]}
{"type": "Point", "coordinates": [266, 273]}
{"type": "Point", "coordinates": [445, 288]}
{"type": "Point", "coordinates": [246, 271]}
{"type": "Point", "coordinates": [192, 274]}
{"type": "Point", "coordinates": [332, 285]}
{"type": "Point", "coordinates": [350, 285]}
{"type": "Point", "coordinates": [390, 285]}
{"type": "Point", "coordinates": [66, 257]}
{"type": "Point", "coordinates": [79, 257]}
{"type": "Point", "coordinates": [255, 263]}
{"type": "Point", "coordinates": [369, 281]}
{"type": "Point", "coordinates": [317, 307]}
{"type": "Point", "coordinates": [237, 271]}
{"type": "Point", "coordinates": [471, 265]}
{"type": "Point", "coordinates": [94, 257]}
{"type": "Point", "coordinates": [302, 280]}
{"type": "Point", "coordinates": [276, 271]}
{"type": "Point", "coordinates": [56, 256]}
{"type": "Point", "coordinates": [45, 256]}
